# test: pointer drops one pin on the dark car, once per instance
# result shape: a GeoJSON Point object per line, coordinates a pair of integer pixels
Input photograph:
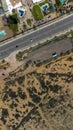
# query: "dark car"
{"type": "Point", "coordinates": [16, 46]}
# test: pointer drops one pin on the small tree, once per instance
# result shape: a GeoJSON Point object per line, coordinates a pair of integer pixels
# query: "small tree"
{"type": "Point", "coordinates": [12, 21]}
{"type": "Point", "coordinates": [58, 3]}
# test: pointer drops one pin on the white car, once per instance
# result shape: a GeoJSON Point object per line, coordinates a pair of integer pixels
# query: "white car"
{"type": "Point", "coordinates": [54, 54]}
{"type": "Point", "coordinates": [31, 40]}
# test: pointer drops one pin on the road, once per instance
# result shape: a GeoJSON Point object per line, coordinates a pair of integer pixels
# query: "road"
{"type": "Point", "coordinates": [36, 36]}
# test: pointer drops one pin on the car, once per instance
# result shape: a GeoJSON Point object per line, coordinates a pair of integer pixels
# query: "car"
{"type": "Point", "coordinates": [31, 40]}
{"type": "Point", "coordinates": [54, 54]}
{"type": "Point", "coordinates": [16, 46]}
{"type": "Point", "coordinates": [49, 17]}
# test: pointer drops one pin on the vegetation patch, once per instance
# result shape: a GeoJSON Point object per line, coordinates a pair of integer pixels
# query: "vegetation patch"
{"type": "Point", "coordinates": [58, 3]}
{"type": "Point", "coordinates": [37, 13]}
{"type": "Point", "coordinates": [29, 22]}
{"type": "Point", "coordinates": [12, 21]}
{"type": "Point", "coordinates": [20, 80]}
{"type": "Point", "coordinates": [4, 64]}
{"type": "Point", "coordinates": [21, 56]}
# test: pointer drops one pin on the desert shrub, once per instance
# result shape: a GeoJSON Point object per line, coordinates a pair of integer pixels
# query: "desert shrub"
{"type": "Point", "coordinates": [62, 98]}
{"type": "Point", "coordinates": [17, 116]}
{"type": "Point", "coordinates": [35, 98]}
{"type": "Point", "coordinates": [55, 88]}
{"type": "Point", "coordinates": [30, 104]}
{"type": "Point", "coordinates": [13, 105]}
{"type": "Point", "coordinates": [41, 80]}
{"type": "Point", "coordinates": [10, 82]}
{"type": "Point", "coordinates": [5, 113]}
{"type": "Point", "coordinates": [5, 97]}
{"type": "Point", "coordinates": [70, 58]}
{"type": "Point", "coordinates": [52, 102]}
{"type": "Point", "coordinates": [52, 75]}
{"type": "Point", "coordinates": [38, 64]}
{"type": "Point", "coordinates": [3, 120]}
{"type": "Point", "coordinates": [26, 66]}
{"type": "Point", "coordinates": [47, 82]}
{"type": "Point", "coordinates": [11, 93]}
{"type": "Point", "coordinates": [20, 80]}
{"type": "Point", "coordinates": [21, 94]}
{"type": "Point", "coordinates": [34, 90]}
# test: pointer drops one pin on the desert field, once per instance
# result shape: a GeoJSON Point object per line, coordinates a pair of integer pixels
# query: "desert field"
{"type": "Point", "coordinates": [38, 96]}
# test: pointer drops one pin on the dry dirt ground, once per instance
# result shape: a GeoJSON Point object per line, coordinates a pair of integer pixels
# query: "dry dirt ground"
{"type": "Point", "coordinates": [38, 96]}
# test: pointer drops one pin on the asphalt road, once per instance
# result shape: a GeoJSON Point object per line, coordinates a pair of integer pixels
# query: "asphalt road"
{"type": "Point", "coordinates": [37, 36]}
